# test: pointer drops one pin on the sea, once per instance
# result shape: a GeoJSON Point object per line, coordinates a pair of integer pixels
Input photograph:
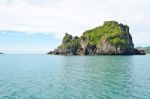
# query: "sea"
{"type": "Point", "coordinates": [37, 76]}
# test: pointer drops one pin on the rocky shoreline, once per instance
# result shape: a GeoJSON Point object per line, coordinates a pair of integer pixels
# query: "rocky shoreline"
{"type": "Point", "coordinates": [112, 38]}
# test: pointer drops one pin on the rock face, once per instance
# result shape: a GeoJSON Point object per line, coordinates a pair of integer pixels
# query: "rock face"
{"type": "Point", "coordinates": [110, 39]}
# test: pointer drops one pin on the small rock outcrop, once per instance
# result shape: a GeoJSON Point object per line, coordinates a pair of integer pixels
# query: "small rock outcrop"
{"type": "Point", "coordinates": [110, 39]}
{"type": "Point", "coordinates": [145, 49]}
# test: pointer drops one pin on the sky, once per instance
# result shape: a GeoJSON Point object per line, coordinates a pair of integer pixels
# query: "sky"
{"type": "Point", "coordinates": [38, 26]}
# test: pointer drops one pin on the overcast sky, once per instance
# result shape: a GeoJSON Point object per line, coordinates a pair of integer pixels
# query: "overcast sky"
{"type": "Point", "coordinates": [37, 26]}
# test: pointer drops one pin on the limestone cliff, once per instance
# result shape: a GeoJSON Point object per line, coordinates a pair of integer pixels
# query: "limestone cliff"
{"type": "Point", "coordinates": [110, 39]}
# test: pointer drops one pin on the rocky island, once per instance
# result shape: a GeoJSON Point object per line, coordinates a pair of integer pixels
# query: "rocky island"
{"type": "Point", "coordinates": [112, 38]}
{"type": "Point", "coordinates": [146, 49]}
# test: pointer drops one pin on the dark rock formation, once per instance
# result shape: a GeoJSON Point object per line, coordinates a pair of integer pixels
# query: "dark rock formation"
{"type": "Point", "coordinates": [146, 49]}
{"type": "Point", "coordinates": [110, 39]}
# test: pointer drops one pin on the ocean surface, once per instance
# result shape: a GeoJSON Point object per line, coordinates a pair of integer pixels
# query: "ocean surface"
{"type": "Point", "coordinates": [74, 77]}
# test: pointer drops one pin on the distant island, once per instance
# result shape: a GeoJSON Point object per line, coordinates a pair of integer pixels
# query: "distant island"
{"type": "Point", "coordinates": [147, 49]}
{"type": "Point", "coordinates": [112, 38]}
{"type": "Point", "coordinates": [1, 53]}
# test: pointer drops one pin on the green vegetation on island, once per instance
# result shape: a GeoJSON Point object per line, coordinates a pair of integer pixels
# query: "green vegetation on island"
{"type": "Point", "coordinates": [110, 31]}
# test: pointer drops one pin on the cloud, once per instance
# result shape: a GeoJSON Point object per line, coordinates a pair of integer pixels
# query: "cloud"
{"type": "Point", "coordinates": [73, 16]}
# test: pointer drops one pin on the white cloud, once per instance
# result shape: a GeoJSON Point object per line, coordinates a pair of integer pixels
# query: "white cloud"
{"type": "Point", "coordinates": [73, 16]}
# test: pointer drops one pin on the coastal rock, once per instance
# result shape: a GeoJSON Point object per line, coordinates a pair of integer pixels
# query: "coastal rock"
{"type": "Point", "coordinates": [145, 49]}
{"type": "Point", "coordinates": [110, 39]}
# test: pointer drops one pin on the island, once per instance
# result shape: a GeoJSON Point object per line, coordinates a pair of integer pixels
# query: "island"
{"type": "Point", "coordinates": [1, 53]}
{"type": "Point", "coordinates": [146, 49]}
{"type": "Point", "coordinates": [112, 38]}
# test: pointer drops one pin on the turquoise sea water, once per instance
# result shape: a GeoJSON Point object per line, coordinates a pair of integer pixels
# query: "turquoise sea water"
{"type": "Point", "coordinates": [74, 77]}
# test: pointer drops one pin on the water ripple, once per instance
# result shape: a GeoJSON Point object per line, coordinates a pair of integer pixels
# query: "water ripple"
{"type": "Point", "coordinates": [74, 77]}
